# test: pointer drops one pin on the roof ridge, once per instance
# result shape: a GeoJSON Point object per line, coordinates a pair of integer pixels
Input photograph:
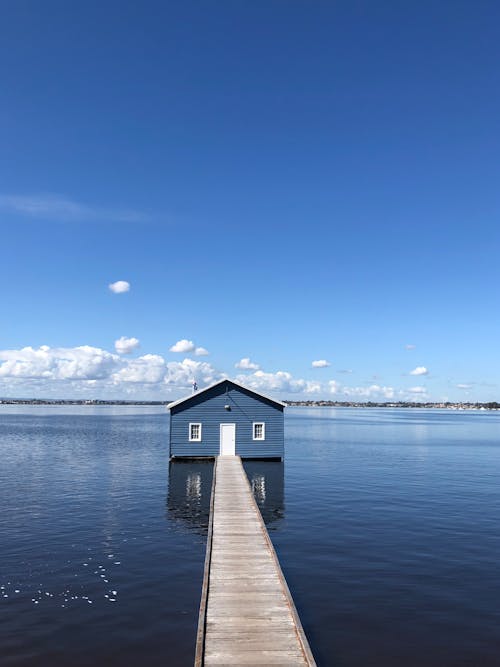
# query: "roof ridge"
{"type": "Point", "coordinates": [215, 384]}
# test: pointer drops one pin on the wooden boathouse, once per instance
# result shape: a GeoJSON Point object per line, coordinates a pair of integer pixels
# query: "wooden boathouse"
{"type": "Point", "coordinates": [227, 418]}
{"type": "Point", "coordinates": [247, 614]}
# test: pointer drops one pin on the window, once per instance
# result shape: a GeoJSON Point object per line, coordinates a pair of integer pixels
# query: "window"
{"type": "Point", "coordinates": [194, 432]}
{"type": "Point", "coordinates": [259, 431]}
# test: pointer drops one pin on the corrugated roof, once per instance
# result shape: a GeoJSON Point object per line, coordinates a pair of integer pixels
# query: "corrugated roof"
{"type": "Point", "coordinates": [237, 384]}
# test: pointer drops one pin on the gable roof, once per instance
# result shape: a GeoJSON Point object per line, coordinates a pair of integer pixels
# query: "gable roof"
{"type": "Point", "coordinates": [215, 384]}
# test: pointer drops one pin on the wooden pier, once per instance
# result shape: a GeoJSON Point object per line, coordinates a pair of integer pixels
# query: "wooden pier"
{"type": "Point", "coordinates": [247, 615]}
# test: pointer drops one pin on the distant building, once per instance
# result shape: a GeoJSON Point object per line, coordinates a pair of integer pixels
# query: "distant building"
{"type": "Point", "coordinates": [227, 418]}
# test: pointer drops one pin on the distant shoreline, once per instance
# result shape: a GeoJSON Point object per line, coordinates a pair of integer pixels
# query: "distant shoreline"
{"type": "Point", "coordinates": [492, 405]}
{"type": "Point", "coordinates": [74, 401]}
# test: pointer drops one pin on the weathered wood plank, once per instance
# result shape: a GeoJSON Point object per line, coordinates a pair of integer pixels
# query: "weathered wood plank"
{"type": "Point", "coordinates": [247, 615]}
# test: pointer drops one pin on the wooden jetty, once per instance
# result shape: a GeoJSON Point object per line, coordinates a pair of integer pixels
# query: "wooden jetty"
{"type": "Point", "coordinates": [247, 615]}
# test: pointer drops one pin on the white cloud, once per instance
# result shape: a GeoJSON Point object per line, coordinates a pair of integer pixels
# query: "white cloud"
{"type": "Point", "coordinates": [60, 208]}
{"type": "Point", "coordinates": [148, 369]}
{"type": "Point", "coordinates": [464, 386]}
{"type": "Point", "coordinates": [410, 347]}
{"type": "Point", "coordinates": [386, 392]}
{"type": "Point", "coordinates": [119, 287]}
{"type": "Point", "coordinates": [320, 363]}
{"type": "Point", "coordinates": [82, 368]}
{"type": "Point", "coordinates": [373, 391]}
{"type": "Point", "coordinates": [313, 387]}
{"type": "Point", "coordinates": [94, 372]}
{"type": "Point", "coordinates": [182, 373]}
{"type": "Point", "coordinates": [281, 381]}
{"type": "Point", "coordinates": [183, 346]}
{"type": "Point", "coordinates": [153, 369]}
{"type": "Point", "coordinates": [78, 363]}
{"type": "Point", "coordinates": [334, 387]}
{"type": "Point", "coordinates": [126, 345]}
{"type": "Point", "coordinates": [419, 370]}
{"type": "Point", "coordinates": [246, 365]}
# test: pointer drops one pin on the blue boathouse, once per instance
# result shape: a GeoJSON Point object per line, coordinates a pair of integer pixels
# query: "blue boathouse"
{"type": "Point", "coordinates": [227, 418]}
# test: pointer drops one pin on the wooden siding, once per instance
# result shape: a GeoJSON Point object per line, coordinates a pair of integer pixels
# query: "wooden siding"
{"type": "Point", "coordinates": [208, 409]}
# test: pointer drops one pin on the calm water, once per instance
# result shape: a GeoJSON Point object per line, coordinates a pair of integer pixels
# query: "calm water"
{"type": "Point", "coordinates": [387, 524]}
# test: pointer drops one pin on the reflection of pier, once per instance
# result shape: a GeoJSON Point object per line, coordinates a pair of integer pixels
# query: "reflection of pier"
{"type": "Point", "coordinates": [247, 615]}
{"type": "Point", "coordinates": [189, 489]}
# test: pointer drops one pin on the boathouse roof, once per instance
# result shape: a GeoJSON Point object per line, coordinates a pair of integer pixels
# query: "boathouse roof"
{"type": "Point", "coordinates": [231, 382]}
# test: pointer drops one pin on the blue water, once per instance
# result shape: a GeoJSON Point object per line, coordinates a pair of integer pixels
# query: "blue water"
{"type": "Point", "coordinates": [85, 515]}
{"type": "Point", "coordinates": [386, 522]}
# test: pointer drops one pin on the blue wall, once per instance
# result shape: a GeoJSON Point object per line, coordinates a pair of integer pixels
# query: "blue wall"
{"type": "Point", "coordinates": [208, 409]}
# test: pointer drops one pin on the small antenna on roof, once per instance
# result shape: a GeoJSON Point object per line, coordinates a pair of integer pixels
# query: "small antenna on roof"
{"type": "Point", "coordinates": [195, 386]}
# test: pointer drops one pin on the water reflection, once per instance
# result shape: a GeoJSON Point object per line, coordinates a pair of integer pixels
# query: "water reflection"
{"type": "Point", "coordinates": [258, 483]}
{"type": "Point", "coordinates": [193, 486]}
{"type": "Point", "coordinates": [190, 487]}
{"type": "Point", "coordinates": [189, 490]}
{"type": "Point", "coordinates": [267, 481]}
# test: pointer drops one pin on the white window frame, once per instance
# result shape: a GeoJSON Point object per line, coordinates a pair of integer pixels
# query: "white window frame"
{"type": "Point", "coordinates": [191, 439]}
{"type": "Point", "coordinates": [263, 424]}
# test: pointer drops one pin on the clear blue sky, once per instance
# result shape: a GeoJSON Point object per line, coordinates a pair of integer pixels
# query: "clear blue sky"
{"type": "Point", "coordinates": [284, 182]}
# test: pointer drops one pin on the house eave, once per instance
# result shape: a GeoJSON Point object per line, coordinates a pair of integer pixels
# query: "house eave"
{"type": "Point", "coordinates": [215, 384]}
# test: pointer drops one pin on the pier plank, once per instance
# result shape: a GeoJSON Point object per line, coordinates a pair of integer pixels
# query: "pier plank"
{"type": "Point", "coordinates": [247, 615]}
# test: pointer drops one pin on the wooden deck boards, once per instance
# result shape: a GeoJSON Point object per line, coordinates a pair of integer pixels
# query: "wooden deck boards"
{"type": "Point", "coordinates": [247, 615]}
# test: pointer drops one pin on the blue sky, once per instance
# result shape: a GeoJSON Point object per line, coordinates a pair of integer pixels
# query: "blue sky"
{"type": "Point", "coordinates": [284, 182]}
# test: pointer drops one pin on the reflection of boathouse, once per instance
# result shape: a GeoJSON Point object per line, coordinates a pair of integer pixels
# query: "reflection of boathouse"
{"type": "Point", "coordinates": [267, 482]}
{"type": "Point", "coordinates": [190, 487]}
{"type": "Point", "coordinates": [189, 490]}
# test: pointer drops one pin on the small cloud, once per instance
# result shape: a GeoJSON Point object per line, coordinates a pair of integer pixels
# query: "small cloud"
{"type": "Point", "coordinates": [320, 363]}
{"type": "Point", "coordinates": [246, 365]}
{"type": "Point", "coordinates": [410, 347]}
{"type": "Point", "coordinates": [419, 370]}
{"type": "Point", "coordinates": [183, 346]}
{"type": "Point", "coordinates": [126, 345]}
{"type": "Point", "coordinates": [417, 390]}
{"type": "Point", "coordinates": [345, 371]}
{"type": "Point", "coordinates": [464, 386]}
{"type": "Point", "coordinates": [120, 286]}
{"type": "Point", "coordinates": [63, 209]}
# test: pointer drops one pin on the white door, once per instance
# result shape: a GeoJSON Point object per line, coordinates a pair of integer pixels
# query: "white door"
{"type": "Point", "coordinates": [227, 439]}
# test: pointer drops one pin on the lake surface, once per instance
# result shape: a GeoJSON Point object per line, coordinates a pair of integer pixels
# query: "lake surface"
{"type": "Point", "coordinates": [386, 522]}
